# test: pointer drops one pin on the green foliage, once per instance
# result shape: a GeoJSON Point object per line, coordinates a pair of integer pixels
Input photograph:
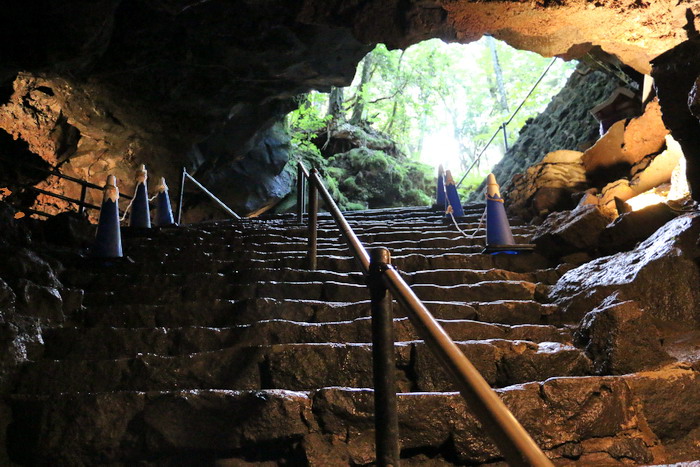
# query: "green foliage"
{"type": "Point", "coordinates": [433, 85]}
{"type": "Point", "coordinates": [307, 121]}
{"type": "Point", "coordinates": [409, 95]}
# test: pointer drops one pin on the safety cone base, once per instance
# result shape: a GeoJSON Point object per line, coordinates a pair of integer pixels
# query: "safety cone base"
{"type": "Point", "coordinates": [508, 249]}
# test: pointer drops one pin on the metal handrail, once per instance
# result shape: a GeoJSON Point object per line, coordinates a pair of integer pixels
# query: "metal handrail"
{"type": "Point", "coordinates": [186, 176]}
{"type": "Point", "coordinates": [505, 431]}
{"type": "Point", "coordinates": [53, 171]}
{"type": "Point", "coordinates": [507, 122]}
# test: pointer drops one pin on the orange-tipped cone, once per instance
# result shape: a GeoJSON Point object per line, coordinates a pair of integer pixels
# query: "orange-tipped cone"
{"type": "Point", "coordinates": [453, 200]}
{"type": "Point", "coordinates": [140, 211]}
{"type": "Point", "coordinates": [164, 212]}
{"type": "Point", "coordinates": [499, 238]}
{"type": "Point", "coordinates": [108, 241]}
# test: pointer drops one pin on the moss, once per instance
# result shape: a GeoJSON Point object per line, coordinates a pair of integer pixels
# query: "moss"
{"type": "Point", "coordinates": [366, 177]}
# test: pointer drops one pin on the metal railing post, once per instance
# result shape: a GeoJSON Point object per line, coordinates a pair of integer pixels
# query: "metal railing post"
{"type": "Point", "coordinates": [183, 174]}
{"type": "Point", "coordinates": [83, 194]}
{"type": "Point", "coordinates": [313, 227]}
{"type": "Point", "coordinates": [300, 194]}
{"type": "Point", "coordinates": [386, 418]}
{"type": "Point", "coordinates": [505, 136]}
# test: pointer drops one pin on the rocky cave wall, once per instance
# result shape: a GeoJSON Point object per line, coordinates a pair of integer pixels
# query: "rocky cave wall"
{"type": "Point", "coordinates": [105, 86]}
{"type": "Point", "coordinates": [566, 123]}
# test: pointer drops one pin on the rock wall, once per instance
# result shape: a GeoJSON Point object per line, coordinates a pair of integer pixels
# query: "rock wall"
{"type": "Point", "coordinates": [566, 123]}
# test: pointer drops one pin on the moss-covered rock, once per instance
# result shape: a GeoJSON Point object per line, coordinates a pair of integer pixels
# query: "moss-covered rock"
{"type": "Point", "coordinates": [368, 178]}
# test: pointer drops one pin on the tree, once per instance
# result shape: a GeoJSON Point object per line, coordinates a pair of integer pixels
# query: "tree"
{"type": "Point", "coordinates": [358, 108]}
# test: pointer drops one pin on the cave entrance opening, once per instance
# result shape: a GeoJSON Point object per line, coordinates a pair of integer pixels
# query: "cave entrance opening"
{"type": "Point", "coordinates": [408, 111]}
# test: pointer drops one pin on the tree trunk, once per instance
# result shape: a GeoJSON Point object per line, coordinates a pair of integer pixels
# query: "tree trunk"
{"type": "Point", "coordinates": [503, 97]}
{"type": "Point", "coordinates": [358, 110]}
{"type": "Point", "coordinates": [335, 105]}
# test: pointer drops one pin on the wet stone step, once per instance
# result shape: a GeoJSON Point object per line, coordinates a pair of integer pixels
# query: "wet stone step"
{"type": "Point", "coordinates": [97, 281]}
{"type": "Point", "coordinates": [221, 313]}
{"type": "Point", "coordinates": [285, 252]}
{"type": "Point", "coordinates": [210, 263]}
{"type": "Point", "coordinates": [274, 243]}
{"type": "Point", "coordinates": [326, 290]}
{"type": "Point", "coordinates": [325, 233]}
{"type": "Point", "coordinates": [301, 367]}
{"type": "Point", "coordinates": [102, 343]}
{"type": "Point", "coordinates": [470, 276]}
{"type": "Point", "coordinates": [595, 417]}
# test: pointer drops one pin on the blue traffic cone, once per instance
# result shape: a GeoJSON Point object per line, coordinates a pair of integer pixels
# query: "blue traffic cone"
{"type": "Point", "coordinates": [108, 241]}
{"type": "Point", "coordinates": [453, 201]}
{"type": "Point", "coordinates": [497, 227]}
{"type": "Point", "coordinates": [164, 213]}
{"type": "Point", "coordinates": [140, 211]}
{"type": "Point", "coordinates": [440, 195]}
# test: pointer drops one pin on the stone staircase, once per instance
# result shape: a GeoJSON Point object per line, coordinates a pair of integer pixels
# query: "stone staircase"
{"type": "Point", "coordinates": [217, 347]}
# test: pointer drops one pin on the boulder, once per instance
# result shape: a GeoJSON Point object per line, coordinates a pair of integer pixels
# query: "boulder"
{"type": "Point", "coordinates": [547, 187]}
{"type": "Point", "coordinates": [628, 142]}
{"type": "Point", "coordinates": [646, 134]}
{"type": "Point", "coordinates": [619, 189]}
{"type": "Point", "coordinates": [620, 338]}
{"type": "Point", "coordinates": [567, 232]}
{"type": "Point", "coordinates": [24, 263]}
{"type": "Point", "coordinates": [607, 151]}
{"type": "Point", "coordinates": [661, 272]}
{"type": "Point", "coordinates": [40, 302]}
{"type": "Point", "coordinates": [654, 170]}
{"type": "Point", "coordinates": [633, 227]}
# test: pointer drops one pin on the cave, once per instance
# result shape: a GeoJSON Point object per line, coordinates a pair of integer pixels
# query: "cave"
{"type": "Point", "coordinates": [245, 354]}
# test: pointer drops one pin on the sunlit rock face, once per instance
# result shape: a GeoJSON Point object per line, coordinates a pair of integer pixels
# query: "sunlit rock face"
{"type": "Point", "coordinates": [661, 273]}
{"type": "Point", "coordinates": [136, 81]}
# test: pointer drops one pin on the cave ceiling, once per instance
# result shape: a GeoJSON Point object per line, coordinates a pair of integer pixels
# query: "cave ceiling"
{"type": "Point", "coordinates": [145, 80]}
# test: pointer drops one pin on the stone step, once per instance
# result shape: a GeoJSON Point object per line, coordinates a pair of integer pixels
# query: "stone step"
{"type": "Point", "coordinates": [275, 243]}
{"type": "Point", "coordinates": [409, 263]}
{"type": "Point", "coordinates": [302, 367]}
{"type": "Point", "coordinates": [581, 420]}
{"type": "Point", "coordinates": [329, 236]}
{"type": "Point", "coordinates": [95, 280]}
{"type": "Point", "coordinates": [326, 290]}
{"type": "Point", "coordinates": [282, 251]}
{"type": "Point", "coordinates": [222, 313]}
{"type": "Point", "coordinates": [102, 343]}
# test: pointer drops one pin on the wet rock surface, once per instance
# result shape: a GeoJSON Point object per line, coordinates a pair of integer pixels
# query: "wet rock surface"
{"type": "Point", "coordinates": [567, 232]}
{"type": "Point", "coordinates": [659, 272]}
{"type": "Point", "coordinates": [633, 227]}
{"type": "Point", "coordinates": [621, 338]}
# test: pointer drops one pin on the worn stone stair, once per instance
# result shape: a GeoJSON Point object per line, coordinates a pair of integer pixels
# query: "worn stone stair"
{"type": "Point", "coordinates": [216, 346]}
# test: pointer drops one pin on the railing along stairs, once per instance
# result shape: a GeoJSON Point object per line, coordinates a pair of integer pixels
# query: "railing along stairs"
{"type": "Point", "coordinates": [385, 282]}
{"type": "Point", "coordinates": [83, 206]}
